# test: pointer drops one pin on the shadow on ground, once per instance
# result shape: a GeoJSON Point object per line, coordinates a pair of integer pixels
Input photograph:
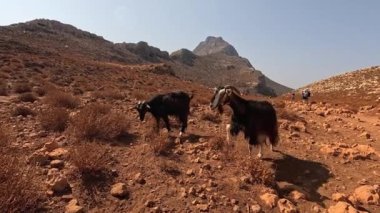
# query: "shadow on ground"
{"type": "Point", "coordinates": [306, 175]}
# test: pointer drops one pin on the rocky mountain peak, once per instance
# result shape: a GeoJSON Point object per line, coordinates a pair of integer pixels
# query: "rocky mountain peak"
{"type": "Point", "coordinates": [214, 45]}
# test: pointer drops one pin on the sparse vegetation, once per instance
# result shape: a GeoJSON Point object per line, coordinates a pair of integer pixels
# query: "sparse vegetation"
{"type": "Point", "coordinates": [54, 119]}
{"type": "Point", "coordinates": [40, 91]}
{"type": "Point", "coordinates": [22, 88]}
{"type": "Point", "coordinates": [61, 99]}
{"type": "Point", "coordinates": [3, 89]}
{"type": "Point", "coordinates": [261, 173]}
{"type": "Point", "coordinates": [210, 116]}
{"type": "Point", "coordinates": [97, 121]}
{"type": "Point", "coordinates": [217, 143]}
{"type": "Point", "coordinates": [5, 136]}
{"type": "Point", "coordinates": [27, 97]}
{"type": "Point", "coordinates": [23, 111]}
{"type": "Point", "coordinates": [109, 95]}
{"type": "Point", "coordinates": [17, 192]}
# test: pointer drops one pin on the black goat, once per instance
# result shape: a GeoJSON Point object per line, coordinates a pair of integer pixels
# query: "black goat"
{"type": "Point", "coordinates": [163, 105]}
{"type": "Point", "coordinates": [257, 119]}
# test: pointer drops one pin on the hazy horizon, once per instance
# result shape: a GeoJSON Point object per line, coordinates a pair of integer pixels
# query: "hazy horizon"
{"type": "Point", "coordinates": [294, 42]}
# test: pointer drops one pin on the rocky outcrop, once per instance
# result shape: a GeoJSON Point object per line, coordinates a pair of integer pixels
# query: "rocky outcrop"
{"type": "Point", "coordinates": [214, 45]}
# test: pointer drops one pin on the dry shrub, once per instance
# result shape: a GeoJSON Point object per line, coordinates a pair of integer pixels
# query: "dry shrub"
{"type": "Point", "coordinates": [97, 121]}
{"type": "Point", "coordinates": [23, 111]}
{"type": "Point", "coordinates": [3, 89]}
{"type": "Point", "coordinates": [109, 95]}
{"type": "Point", "coordinates": [291, 116]}
{"type": "Point", "coordinates": [40, 91]}
{"type": "Point", "coordinates": [91, 161]}
{"type": "Point", "coordinates": [61, 99]}
{"type": "Point", "coordinates": [5, 136]}
{"type": "Point", "coordinates": [159, 143]}
{"type": "Point", "coordinates": [22, 88]}
{"type": "Point", "coordinates": [54, 119]}
{"type": "Point", "coordinates": [17, 192]}
{"type": "Point", "coordinates": [217, 143]}
{"type": "Point", "coordinates": [139, 95]}
{"type": "Point", "coordinates": [212, 117]}
{"type": "Point", "coordinates": [27, 97]}
{"type": "Point", "coordinates": [261, 173]}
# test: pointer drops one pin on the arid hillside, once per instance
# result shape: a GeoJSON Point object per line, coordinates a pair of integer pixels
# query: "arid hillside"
{"type": "Point", "coordinates": [355, 89]}
{"type": "Point", "coordinates": [71, 141]}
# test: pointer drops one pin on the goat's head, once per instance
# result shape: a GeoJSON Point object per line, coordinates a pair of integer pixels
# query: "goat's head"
{"type": "Point", "coordinates": [142, 107]}
{"type": "Point", "coordinates": [222, 96]}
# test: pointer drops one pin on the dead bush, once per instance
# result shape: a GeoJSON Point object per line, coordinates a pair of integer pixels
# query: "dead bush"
{"type": "Point", "coordinates": [159, 143]}
{"type": "Point", "coordinates": [109, 95]}
{"type": "Point", "coordinates": [54, 119]}
{"type": "Point", "coordinates": [18, 193]}
{"type": "Point", "coordinates": [21, 88]}
{"type": "Point", "coordinates": [3, 89]}
{"type": "Point", "coordinates": [61, 99]}
{"type": "Point", "coordinates": [97, 121]}
{"type": "Point", "coordinates": [212, 117]}
{"type": "Point", "coordinates": [5, 136]}
{"type": "Point", "coordinates": [261, 173]}
{"type": "Point", "coordinates": [291, 116]}
{"type": "Point", "coordinates": [217, 143]}
{"type": "Point", "coordinates": [23, 111]}
{"type": "Point", "coordinates": [91, 161]}
{"type": "Point", "coordinates": [40, 91]}
{"type": "Point", "coordinates": [27, 97]}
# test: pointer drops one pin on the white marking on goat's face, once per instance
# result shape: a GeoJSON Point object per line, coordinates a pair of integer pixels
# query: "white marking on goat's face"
{"type": "Point", "coordinates": [142, 109]}
{"type": "Point", "coordinates": [218, 98]}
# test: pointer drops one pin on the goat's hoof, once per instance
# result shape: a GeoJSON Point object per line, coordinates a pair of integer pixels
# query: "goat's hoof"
{"type": "Point", "coordinates": [259, 155]}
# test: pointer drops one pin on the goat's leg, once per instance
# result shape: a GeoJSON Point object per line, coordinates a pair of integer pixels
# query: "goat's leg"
{"type": "Point", "coordinates": [259, 155]}
{"type": "Point", "coordinates": [249, 149]}
{"type": "Point", "coordinates": [183, 125]}
{"type": "Point", "coordinates": [167, 124]}
{"type": "Point", "coordinates": [228, 129]}
{"type": "Point", "coordinates": [157, 124]}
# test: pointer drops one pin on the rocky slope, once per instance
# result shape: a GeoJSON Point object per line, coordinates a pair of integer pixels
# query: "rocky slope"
{"type": "Point", "coordinates": [356, 89]}
{"type": "Point", "coordinates": [215, 62]}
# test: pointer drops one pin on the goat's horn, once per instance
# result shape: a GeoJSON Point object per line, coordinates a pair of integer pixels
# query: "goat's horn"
{"type": "Point", "coordinates": [233, 88]}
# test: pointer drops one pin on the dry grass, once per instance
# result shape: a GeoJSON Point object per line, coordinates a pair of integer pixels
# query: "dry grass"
{"type": "Point", "coordinates": [217, 143]}
{"type": "Point", "coordinates": [3, 89]}
{"type": "Point", "coordinates": [159, 143]}
{"type": "Point", "coordinates": [23, 111]}
{"type": "Point", "coordinates": [17, 192]}
{"type": "Point", "coordinates": [27, 97]}
{"type": "Point", "coordinates": [22, 88]}
{"type": "Point", "coordinates": [212, 117]}
{"type": "Point", "coordinates": [98, 121]}
{"type": "Point", "coordinates": [261, 173]}
{"type": "Point", "coordinates": [91, 161]}
{"type": "Point", "coordinates": [54, 119]}
{"type": "Point", "coordinates": [109, 95]}
{"type": "Point", "coordinates": [5, 136]}
{"type": "Point", "coordinates": [61, 99]}
{"type": "Point", "coordinates": [40, 91]}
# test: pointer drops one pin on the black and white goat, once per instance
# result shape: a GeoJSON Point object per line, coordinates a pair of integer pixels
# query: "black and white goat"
{"type": "Point", "coordinates": [257, 119]}
{"type": "Point", "coordinates": [164, 105]}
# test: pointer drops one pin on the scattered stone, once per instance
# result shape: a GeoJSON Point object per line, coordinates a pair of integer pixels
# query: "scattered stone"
{"type": "Point", "coordinates": [190, 172]}
{"type": "Point", "coordinates": [255, 208]}
{"type": "Point", "coordinates": [269, 199]}
{"type": "Point", "coordinates": [73, 207]}
{"type": "Point", "coordinates": [149, 204]}
{"type": "Point", "coordinates": [339, 197]}
{"type": "Point", "coordinates": [286, 206]}
{"type": "Point", "coordinates": [234, 201]}
{"type": "Point", "coordinates": [39, 158]}
{"type": "Point", "coordinates": [59, 164]}
{"type": "Point", "coordinates": [192, 191]}
{"type": "Point", "coordinates": [342, 207]}
{"type": "Point", "coordinates": [119, 190]}
{"type": "Point", "coordinates": [182, 192]}
{"type": "Point", "coordinates": [50, 146]}
{"type": "Point", "coordinates": [365, 135]}
{"type": "Point", "coordinates": [139, 179]}
{"type": "Point", "coordinates": [236, 208]}
{"type": "Point", "coordinates": [367, 194]}
{"type": "Point", "coordinates": [296, 195]}
{"type": "Point", "coordinates": [57, 181]}
{"type": "Point", "coordinates": [58, 153]}
{"type": "Point", "coordinates": [202, 207]}
{"type": "Point", "coordinates": [246, 179]}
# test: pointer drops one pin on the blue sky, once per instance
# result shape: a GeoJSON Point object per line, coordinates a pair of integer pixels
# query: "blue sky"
{"type": "Point", "coordinates": [294, 42]}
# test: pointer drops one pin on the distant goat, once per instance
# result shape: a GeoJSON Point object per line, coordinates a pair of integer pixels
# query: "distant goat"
{"type": "Point", "coordinates": [257, 119]}
{"type": "Point", "coordinates": [163, 105]}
